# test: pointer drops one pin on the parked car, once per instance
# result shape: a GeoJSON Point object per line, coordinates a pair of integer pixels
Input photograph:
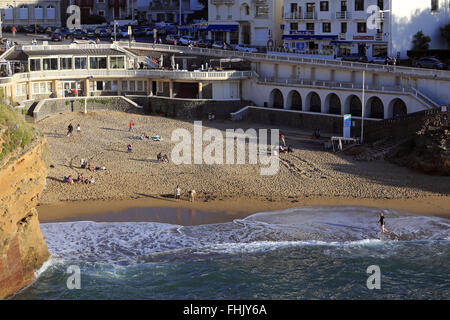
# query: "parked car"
{"type": "Point", "coordinates": [205, 43]}
{"type": "Point", "coordinates": [171, 38]}
{"type": "Point", "coordinates": [392, 61]}
{"type": "Point", "coordinates": [138, 31]}
{"type": "Point", "coordinates": [102, 33]}
{"type": "Point", "coordinates": [184, 40]}
{"type": "Point", "coordinates": [430, 63]}
{"type": "Point", "coordinates": [355, 57]}
{"type": "Point", "coordinates": [122, 33]}
{"type": "Point", "coordinates": [245, 49]}
{"type": "Point", "coordinates": [79, 34]}
{"type": "Point", "coordinates": [56, 36]}
{"type": "Point", "coordinates": [221, 45]}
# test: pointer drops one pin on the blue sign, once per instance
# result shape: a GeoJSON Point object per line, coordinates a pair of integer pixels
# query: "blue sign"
{"type": "Point", "coordinates": [300, 45]}
{"type": "Point", "coordinates": [347, 120]}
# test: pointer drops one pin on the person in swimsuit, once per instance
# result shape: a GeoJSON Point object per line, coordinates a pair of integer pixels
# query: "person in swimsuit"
{"type": "Point", "coordinates": [381, 221]}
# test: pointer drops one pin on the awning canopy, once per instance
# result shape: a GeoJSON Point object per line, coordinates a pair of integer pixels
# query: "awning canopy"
{"type": "Point", "coordinates": [222, 27]}
{"type": "Point", "coordinates": [309, 37]}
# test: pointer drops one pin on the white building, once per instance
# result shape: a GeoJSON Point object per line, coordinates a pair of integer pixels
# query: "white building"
{"type": "Point", "coordinates": [170, 10]}
{"type": "Point", "coordinates": [29, 12]}
{"type": "Point", "coordinates": [249, 22]}
{"type": "Point", "coordinates": [426, 15]}
{"type": "Point", "coordinates": [336, 28]}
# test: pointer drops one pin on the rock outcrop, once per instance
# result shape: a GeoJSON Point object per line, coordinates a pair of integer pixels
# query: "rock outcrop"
{"type": "Point", "coordinates": [22, 245]}
{"type": "Point", "coordinates": [428, 150]}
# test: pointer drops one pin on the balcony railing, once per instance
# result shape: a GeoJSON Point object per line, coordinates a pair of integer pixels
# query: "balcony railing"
{"type": "Point", "coordinates": [343, 15]}
{"type": "Point", "coordinates": [222, 2]}
{"type": "Point", "coordinates": [293, 16]}
{"type": "Point", "coordinates": [299, 16]}
{"type": "Point", "coordinates": [342, 36]}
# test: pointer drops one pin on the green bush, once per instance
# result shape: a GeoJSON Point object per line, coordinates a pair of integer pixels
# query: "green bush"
{"type": "Point", "coordinates": [17, 133]}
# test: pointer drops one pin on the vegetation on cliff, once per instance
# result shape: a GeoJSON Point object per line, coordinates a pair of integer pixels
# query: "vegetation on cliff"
{"type": "Point", "coordinates": [15, 134]}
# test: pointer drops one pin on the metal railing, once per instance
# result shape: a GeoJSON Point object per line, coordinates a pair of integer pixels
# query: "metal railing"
{"type": "Point", "coordinates": [144, 73]}
{"type": "Point", "coordinates": [416, 72]}
{"type": "Point", "coordinates": [343, 15]}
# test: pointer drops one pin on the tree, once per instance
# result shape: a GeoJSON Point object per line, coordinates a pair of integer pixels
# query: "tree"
{"type": "Point", "coordinates": [445, 33]}
{"type": "Point", "coordinates": [421, 41]}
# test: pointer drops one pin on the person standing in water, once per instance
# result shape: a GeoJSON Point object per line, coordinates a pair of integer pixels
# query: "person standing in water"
{"type": "Point", "coordinates": [381, 221]}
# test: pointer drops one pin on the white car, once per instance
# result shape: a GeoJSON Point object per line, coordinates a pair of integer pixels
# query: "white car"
{"type": "Point", "coordinates": [184, 40]}
{"type": "Point", "coordinates": [245, 49]}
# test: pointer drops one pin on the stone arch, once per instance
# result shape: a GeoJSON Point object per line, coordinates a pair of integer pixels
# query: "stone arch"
{"type": "Point", "coordinates": [397, 108]}
{"type": "Point", "coordinates": [276, 99]}
{"type": "Point", "coordinates": [244, 9]}
{"type": "Point", "coordinates": [313, 102]}
{"type": "Point", "coordinates": [353, 105]}
{"type": "Point", "coordinates": [294, 101]}
{"type": "Point", "coordinates": [333, 104]}
{"type": "Point", "coordinates": [375, 108]}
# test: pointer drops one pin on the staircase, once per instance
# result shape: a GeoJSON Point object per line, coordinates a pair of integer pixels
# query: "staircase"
{"type": "Point", "coordinates": [379, 149]}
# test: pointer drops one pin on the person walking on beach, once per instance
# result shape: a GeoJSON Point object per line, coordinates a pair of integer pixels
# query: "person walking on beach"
{"type": "Point", "coordinates": [131, 125]}
{"type": "Point", "coordinates": [177, 193]}
{"type": "Point", "coordinates": [282, 140]}
{"type": "Point", "coordinates": [69, 130]}
{"type": "Point", "coordinates": [381, 221]}
{"type": "Point", "coordinates": [191, 195]}
{"type": "Point", "coordinates": [79, 129]}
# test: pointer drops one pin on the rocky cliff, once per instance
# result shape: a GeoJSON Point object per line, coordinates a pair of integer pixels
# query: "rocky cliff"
{"type": "Point", "coordinates": [22, 245]}
{"type": "Point", "coordinates": [428, 150]}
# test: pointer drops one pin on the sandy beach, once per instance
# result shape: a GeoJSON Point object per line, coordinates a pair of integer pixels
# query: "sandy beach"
{"type": "Point", "coordinates": [310, 176]}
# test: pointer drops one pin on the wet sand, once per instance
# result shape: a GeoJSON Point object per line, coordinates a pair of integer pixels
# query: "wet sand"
{"type": "Point", "coordinates": [183, 212]}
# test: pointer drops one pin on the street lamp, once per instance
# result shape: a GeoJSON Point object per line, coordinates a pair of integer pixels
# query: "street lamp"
{"type": "Point", "coordinates": [363, 105]}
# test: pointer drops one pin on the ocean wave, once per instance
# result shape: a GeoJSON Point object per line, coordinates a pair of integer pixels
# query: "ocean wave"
{"type": "Point", "coordinates": [349, 228]}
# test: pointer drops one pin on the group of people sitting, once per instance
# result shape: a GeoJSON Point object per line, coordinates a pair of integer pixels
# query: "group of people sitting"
{"type": "Point", "coordinates": [287, 149]}
{"type": "Point", "coordinates": [79, 179]}
{"type": "Point", "coordinates": [155, 138]}
{"type": "Point", "coordinates": [90, 167]}
{"type": "Point", "coordinates": [162, 158]}
{"type": "Point", "coordinates": [211, 116]}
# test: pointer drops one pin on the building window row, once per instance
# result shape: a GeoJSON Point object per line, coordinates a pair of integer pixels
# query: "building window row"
{"type": "Point", "coordinates": [77, 63]}
{"type": "Point", "coordinates": [8, 12]}
{"type": "Point", "coordinates": [361, 27]}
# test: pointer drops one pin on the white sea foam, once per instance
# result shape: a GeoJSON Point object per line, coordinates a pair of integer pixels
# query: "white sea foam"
{"type": "Point", "coordinates": [134, 242]}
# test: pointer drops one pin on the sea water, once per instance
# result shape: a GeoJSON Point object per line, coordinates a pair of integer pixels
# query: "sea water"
{"type": "Point", "coordinates": [301, 253]}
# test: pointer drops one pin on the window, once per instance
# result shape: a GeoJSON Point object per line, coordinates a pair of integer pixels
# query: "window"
{"type": "Point", "coordinates": [97, 62]}
{"type": "Point", "coordinates": [362, 27]}
{"type": "Point", "coordinates": [262, 10]}
{"type": "Point", "coordinates": [132, 85]}
{"type": "Point", "coordinates": [343, 6]}
{"type": "Point", "coordinates": [42, 87]}
{"type": "Point", "coordinates": [294, 26]}
{"type": "Point", "coordinates": [8, 13]}
{"type": "Point", "coordinates": [380, 4]}
{"type": "Point", "coordinates": [326, 27]}
{"type": "Point", "coordinates": [80, 63]}
{"type": "Point", "coordinates": [100, 1]}
{"type": "Point", "coordinates": [434, 5]}
{"type": "Point", "coordinates": [21, 89]}
{"type": "Point", "coordinates": [38, 12]}
{"type": "Point", "coordinates": [310, 26]}
{"type": "Point", "coordinates": [117, 62]}
{"type": "Point", "coordinates": [159, 86]}
{"type": "Point", "coordinates": [51, 12]}
{"type": "Point", "coordinates": [101, 13]}
{"type": "Point", "coordinates": [50, 64]}
{"type": "Point", "coordinates": [124, 85]}
{"type": "Point", "coordinates": [35, 64]}
{"type": "Point", "coordinates": [344, 27]}
{"type": "Point", "coordinates": [65, 63]}
{"type": "Point", "coordinates": [107, 86]}
{"type": "Point", "coordinates": [99, 85]}
{"type": "Point", "coordinates": [323, 5]}
{"type": "Point", "coordinates": [359, 5]}
{"type": "Point", "coordinates": [23, 12]}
